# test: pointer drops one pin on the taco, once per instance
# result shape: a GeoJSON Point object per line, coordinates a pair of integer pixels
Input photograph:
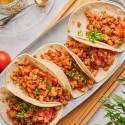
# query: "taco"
{"type": "Point", "coordinates": [16, 111]}
{"type": "Point", "coordinates": [60, 55]}
{"type": "Point", "coordinates": [37, 83]}
{"type": "Point", "coordinates": [99, 24]}
{"type": "Point", "coordinates": [99, 62]}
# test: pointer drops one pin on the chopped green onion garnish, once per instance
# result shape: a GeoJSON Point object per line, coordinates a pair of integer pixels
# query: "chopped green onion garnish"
{"type": "Point", "coordinates": [49, 87]}
{"type": "Point", "coordinates": [81, 78]}
{"type": "Point", "coordinates": [29, 122]}
{"type": "Point", "coordinates": [76, 66]}
{"type": "Point", "coordinates": [23, 105]}
{"type": "Point", "coordinates": [71, 74]}
{"type": "Point", "coordinates": [37, 92]}
{"type": "Point", "coordinates": [20, 115]}
{"type": "Point", "coordinates": [80, 33]}
{"type": "Point", "coordinates": [120, 43]}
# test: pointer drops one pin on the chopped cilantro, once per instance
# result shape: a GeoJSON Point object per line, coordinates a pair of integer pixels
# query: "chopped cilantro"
{"type": "Point", "coordinates": [81, 78]}
{"type": "Point", "coordinates": [120, 43]}
{"type": "Point", "coordinates": [37, 92]}
{"type": "Point", "coordinates": [20, 115]}
{"type": "Point", "coordinates": [31, 108]}
{"type": "Point", "coordinates": [23, 105]}
{"type": "Point", "coordinates": [71, 74]}
{"type": "Point", "coordinates": [76, 66]}
{"type": "Point", "coordinates": [49, 87]}
{"type": "Point", "coordinates": [29, 122]}
{"type": "Point", "coordinates": [80, 33]}
{"type": "Point", "coordinates": [94, 35]}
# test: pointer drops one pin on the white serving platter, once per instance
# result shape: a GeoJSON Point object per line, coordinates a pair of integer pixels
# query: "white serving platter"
{"type": "Point", "coordinates": [59, 34]}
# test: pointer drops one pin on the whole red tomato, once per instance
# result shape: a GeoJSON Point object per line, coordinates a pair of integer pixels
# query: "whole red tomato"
{"type": "Point", "coordinates": [4, 60]}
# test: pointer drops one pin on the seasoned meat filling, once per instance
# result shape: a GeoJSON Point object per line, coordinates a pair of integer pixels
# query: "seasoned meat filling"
{"type": "Point", "coordinates": [38, 84]}
{"type": "Point", "coordinates": [77, 78]}
{"type": "Point", "coordinates": [93, 58]}
{"type": "Point", "coordinates": [105, 28]}
{"type": "Point", "coordinates": [22, 113]}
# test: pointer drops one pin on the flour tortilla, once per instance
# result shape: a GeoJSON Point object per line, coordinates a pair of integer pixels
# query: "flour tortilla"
{"type": "Point", "coordinates": [16, 89]}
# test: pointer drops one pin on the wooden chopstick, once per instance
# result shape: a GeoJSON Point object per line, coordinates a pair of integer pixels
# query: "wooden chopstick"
{"type": "Point", "coordinates": [60, 15]}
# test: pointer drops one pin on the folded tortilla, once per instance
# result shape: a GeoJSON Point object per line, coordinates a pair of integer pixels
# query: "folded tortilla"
{"type": "Point", "coordinates": [44, 66]}
{"type": "Point", "coordinates": [111, 8]}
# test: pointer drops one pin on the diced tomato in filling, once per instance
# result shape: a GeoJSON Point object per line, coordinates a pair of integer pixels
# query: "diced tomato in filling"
{"type": "Point", "coordinates": [105, 28]}
{"type": "Point", "coordinates": [22, 113]}
{"type": "Point", "coordinates": [76, 76]}
{"type": "Point", "coordinates": [39, 84]}
{"type": "Point", "coordinates": [93, 58]}
{"type": "Point", "coordinates": [44, 74]}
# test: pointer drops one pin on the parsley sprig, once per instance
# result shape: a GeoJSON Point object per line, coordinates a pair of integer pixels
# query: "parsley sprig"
{"type": "Point", "coordinates": [115, 109]}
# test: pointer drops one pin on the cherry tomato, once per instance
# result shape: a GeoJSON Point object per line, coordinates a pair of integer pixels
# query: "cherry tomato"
{"type": "Point", "coordinates": [4, 60]}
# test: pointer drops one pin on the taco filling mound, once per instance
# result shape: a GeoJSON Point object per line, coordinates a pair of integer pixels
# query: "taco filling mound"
{"type": "Point", "coordinates": [105, 28]}
{"type": "Point", "coordinates": [77, 78]}
{"type": "Point", "coordinates": [93, 58]}
{"type": "Point", "coordinates": [22, 113]}
{"type": "Point", "coordinates": [38, 84]}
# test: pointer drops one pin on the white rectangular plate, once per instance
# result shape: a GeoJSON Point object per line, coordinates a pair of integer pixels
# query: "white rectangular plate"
{"type": "Point", "coordinates": [59, 34]}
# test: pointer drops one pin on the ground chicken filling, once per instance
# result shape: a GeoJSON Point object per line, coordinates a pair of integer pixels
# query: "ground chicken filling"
{"type": "Point", "coordinates": [76, 76]}
{"type": "Point", "coordinates": [22, 113]}
{"type": "Point", "coordinates": [38, 84]}
{"type": "Point", "coordinates": [93, 58]}
{"type": "Point", "coordinates": [106, 28]}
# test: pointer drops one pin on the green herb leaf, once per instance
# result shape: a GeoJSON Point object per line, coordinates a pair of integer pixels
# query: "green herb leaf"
{"type": "Point", "coordinates": [29, 122]}
{"type": "Point", "coordinates": [81, 78]}
{"type": "Point", "coordinates": [115, 110]}
{"type": "Point", "coordinates": [49, 87]}
{"type": "Point", "coordinates": [76, 66]}
{"type": "Point", "coordinates": [94, 36]}
{"type": "Point", "coordinates": [20, 115]}
{"type": "Point", "coordinates": [23, 105]}
{"type": "Point", "coordinates": [109, 123]}
{"type": "Point", "coordinates": [121, 79]}
{"type": "Point", "coordinates": [71, 74]}
{"type": "Point", "coordinates": [118, 99]}
{"type": "Point", "coordinates": [80, 33]}
{"type": "Point", "coordinates": [120, 43]}
{"type": "Point", "coordinates": [37, 92]}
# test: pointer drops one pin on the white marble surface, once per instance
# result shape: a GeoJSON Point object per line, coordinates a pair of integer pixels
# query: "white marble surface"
{"type": "Point", "coordinates": [14, 44]}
